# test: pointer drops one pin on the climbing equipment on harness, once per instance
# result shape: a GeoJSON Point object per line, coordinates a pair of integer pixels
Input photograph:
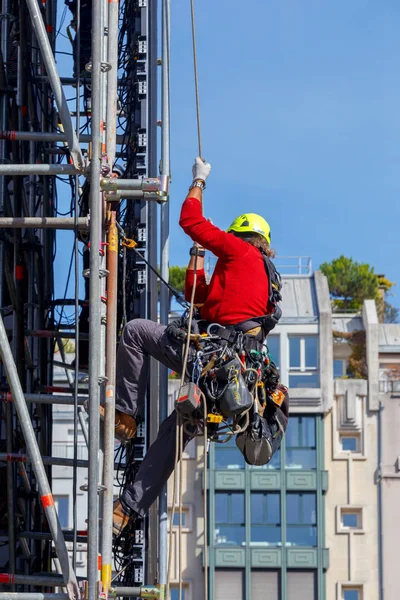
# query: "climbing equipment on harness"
{"type": "Point", "coordinates": [251, 223]}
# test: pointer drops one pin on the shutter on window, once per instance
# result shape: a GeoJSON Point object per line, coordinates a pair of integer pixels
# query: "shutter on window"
{"type": "Point", "coordinates": [301, 585]}
{"type": "Point", "coordinates": [228, 585]}
{"type": "Point", "coordinates": [264, 585]}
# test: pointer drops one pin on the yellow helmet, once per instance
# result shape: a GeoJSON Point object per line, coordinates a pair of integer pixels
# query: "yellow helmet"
{"type": "Point", "coordinates": [251, 223]}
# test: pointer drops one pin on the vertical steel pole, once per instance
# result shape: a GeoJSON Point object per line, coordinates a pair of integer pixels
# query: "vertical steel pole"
{"type": "Point", "coordinates": [54, 79]}
{"type": "Point", "coordinates": [94, 303]}
{"type": "Point", "coordinates": [8, 407]}
{"type": "Point", "coordinates": [164, 294]}
{"type": "Point", "coordinates": [37, 465]}
{"type": "Point", "coordinates": [109, 407]}
{"type": "Point", "coordinates": [112, 80]}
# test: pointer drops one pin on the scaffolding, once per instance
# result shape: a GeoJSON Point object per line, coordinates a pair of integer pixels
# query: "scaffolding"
{"type": "Point", "coordinates": [61, 132]}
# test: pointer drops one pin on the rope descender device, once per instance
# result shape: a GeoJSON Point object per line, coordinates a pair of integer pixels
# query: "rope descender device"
{"type": "Point", "coordinates": [128, 243]}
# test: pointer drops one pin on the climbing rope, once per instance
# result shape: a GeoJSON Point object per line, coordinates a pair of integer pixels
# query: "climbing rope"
{"type": "Point", "coordinates": [196, 78]}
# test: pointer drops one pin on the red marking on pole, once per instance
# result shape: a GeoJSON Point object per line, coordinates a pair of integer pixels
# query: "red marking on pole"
{"type": "Point", "coordinates": [6, 578]}
{"type": "Point", "coordinates": [99, 562]}
{"type": "Point", "coordinates": [47, 500]}
{"type": "Point", "coordinates": [13, 135]}
{"type": "Point", "coordinates": [109, 393]}
{"type": "Point", "coordinates": [16, 458]}
{"type": "Point", "coordinates": [24, 110]}
{"type": "Point", "coordinates": [19, 272]}
{"type": "Point", "coordinates": [82, 533]}
{"type": "Point", "coordinates": [49, 28]}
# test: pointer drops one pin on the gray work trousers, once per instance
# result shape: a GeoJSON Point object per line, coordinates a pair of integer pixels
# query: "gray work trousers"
{"type": "Point", "coordinates": [140, 340]}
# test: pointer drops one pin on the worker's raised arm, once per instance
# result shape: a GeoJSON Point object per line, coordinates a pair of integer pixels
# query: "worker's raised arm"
{"type": "Point", "coordinates": [197, 226]}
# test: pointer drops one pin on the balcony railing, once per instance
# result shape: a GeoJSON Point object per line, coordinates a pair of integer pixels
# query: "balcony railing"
{"type": "Point", "coordinates": [389, 386]}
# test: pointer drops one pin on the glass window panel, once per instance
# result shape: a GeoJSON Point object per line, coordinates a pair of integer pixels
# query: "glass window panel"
{"type": "Point", "coordinates": [257, 508]}
{"type": "Point", "coordinates": [221, 507]}
{"type": "Point", "coordinates": [351, 595]}
{"type": "Point", "coordinates": [305, 380]}
{"type": "Point", "coordinates": [175, 593]}
{"type": "Point", "coordinates": [338, 368]}
{"type": "Point", "coordinates": [273, 502]}
{"type": "Point", "coordinates": [265, 508]}
{"type": "Point", "coordinates": [62, 505]}
{"type": "Point", "coordinates": [349, 444]}
{"type": "Point", "coordinates": [237, 509]}
{"type": "Point", "coordinates": [292, 432]}
{"type": "Point", "coordinates": [266, 534]}
{"type": "Point", "coordinates": [229, 534]}
{"type": "Point", "coordinates": [311, 343]}
{"type": "Point", "coordinates": [307, 425]}
{"type": "Point", "coordinates": [176, 519]}
{"type": "Point", "coordinates": [294, 352]}
{"type": "Point", "coordinates": [309, 508]}
{"type": "Point", "coordinates": [227, 456]}
{"type": "Point", "coordinates": [273, 342]}
{"type": "Point", "coordinates": [293, 508]}
{"type": "Point", "coordinates": [301, 535]}
{"type": "Point", "coordinates": [301, 459]}
{"type": "Point", "coordinates": [350, 519]}
{"type": "Point", "coordinates": [301, 508]}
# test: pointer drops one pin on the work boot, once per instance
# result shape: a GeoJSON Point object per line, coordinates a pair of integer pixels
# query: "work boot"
{"type": "Point", "coordinates": [125, 425]}
{"type": "Point", "coordinates": [122, 515]}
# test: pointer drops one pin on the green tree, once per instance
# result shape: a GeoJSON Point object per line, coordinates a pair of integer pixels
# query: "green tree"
{"type": "Point", "coordinates": [177, 279]}
{"type": "Point", "coordinates": [350, 282]}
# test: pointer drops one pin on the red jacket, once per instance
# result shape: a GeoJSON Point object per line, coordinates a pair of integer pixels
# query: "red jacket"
{"type": "Point", "coordinates": [238, 289]}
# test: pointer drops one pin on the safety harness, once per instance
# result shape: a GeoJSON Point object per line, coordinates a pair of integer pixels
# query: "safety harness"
{"type": "Point", "coordinates": [232, 367]}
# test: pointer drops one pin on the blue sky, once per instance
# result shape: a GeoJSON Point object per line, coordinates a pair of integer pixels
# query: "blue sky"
{"type": "Point", "coordinates": [300, 119]}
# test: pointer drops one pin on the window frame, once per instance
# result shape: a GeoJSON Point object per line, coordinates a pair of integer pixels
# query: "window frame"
{"type": "Point", "coordinates": [301, 446]}
{"type": "Point", "coordinates": [350, 509]}
{"type": "Point", "coordinates": [265, 523]}
{"type": "Point", "coordinates": [228, 523]}
{"type": "Point", "coordinates": [353, 435]}
{"type": "Point", "coordinates": [301, 524]}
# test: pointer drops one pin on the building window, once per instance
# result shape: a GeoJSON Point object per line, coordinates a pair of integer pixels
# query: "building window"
{"type": "Point", "coordinates": [301, 443]}
{"type": "Point", "coordinates": [265, 585]}
{"type": "Point", "coordinates": [62, 507]}
{"type": "Point", "coordinates": [350, 518]}
{"type": "Point", "coordinates": [227, 456]}
{"type": "Point", "coordinates": [229, 584]}
{"type": "Point", "coordinates": [301, 519]}
{"type": "Point", "coordinates": [265, 518]}
{"type": "Point", "coordinates": [351, 593]}
{"type": "Point", "coordinates": [175, 593]}
{"type": "Point", "coordinates": [229, 518]}
{"type": "Point", "coordinates": [303, 361]}
{"type": "Point", "coordinates": [350, 443]}
{"type": "Point", "coordinates": [301, 585]}
{"type": "Point", "coordinates": [339, 368]}
{"type": "Point", "coordinates": [273, 343]}
{"type": "Point", "coordinates": [176, 519]}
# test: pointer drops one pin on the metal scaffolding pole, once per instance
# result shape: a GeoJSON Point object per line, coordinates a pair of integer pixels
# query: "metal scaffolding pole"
{"type": "Point", "coordinates": [22, 170]}
{"type": "Point", "coordinates": [55, 83]}
{"type": "Point", "coordinates": [37, 465]}
{"type": "Point", "coordinates": [43, 223]}
{"type": "Point", "coordinates": [94, 304]}
{"type": "Point", "coordinates": [164, 292]}
{"type": "Point", "coordinates": [39, 136]}
{"type": "Point", "coordinates": [109, 407]}
{"type": "Point", "coordinates": [151, 184]}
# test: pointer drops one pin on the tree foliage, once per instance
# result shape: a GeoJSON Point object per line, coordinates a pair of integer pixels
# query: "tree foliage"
{"type": "Point", "coordinates": [350, 282]}
{"type": "Point", "coordinates": [177, 278]}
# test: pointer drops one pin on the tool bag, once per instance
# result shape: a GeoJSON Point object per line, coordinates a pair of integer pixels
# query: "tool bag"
{"type": "Point", "coordinates": [259, 442]}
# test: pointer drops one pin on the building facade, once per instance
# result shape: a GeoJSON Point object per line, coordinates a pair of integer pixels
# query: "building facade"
{"type": "Point", "coordinates": [318, 522]}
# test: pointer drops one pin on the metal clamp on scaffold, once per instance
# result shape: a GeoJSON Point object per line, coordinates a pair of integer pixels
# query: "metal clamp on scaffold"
{"type": "Point", "coordinates": [155, 188]}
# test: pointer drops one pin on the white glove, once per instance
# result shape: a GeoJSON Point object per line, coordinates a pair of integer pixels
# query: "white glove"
{"type": "Point", "coordinates": [201, 169]}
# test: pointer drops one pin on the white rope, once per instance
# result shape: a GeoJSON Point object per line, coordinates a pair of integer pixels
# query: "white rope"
{"type": "Point", "coordinates": [196, 79]}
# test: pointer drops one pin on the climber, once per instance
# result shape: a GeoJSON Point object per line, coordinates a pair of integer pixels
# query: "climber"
{"type": "Point", "coordinates": [238, 294]}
